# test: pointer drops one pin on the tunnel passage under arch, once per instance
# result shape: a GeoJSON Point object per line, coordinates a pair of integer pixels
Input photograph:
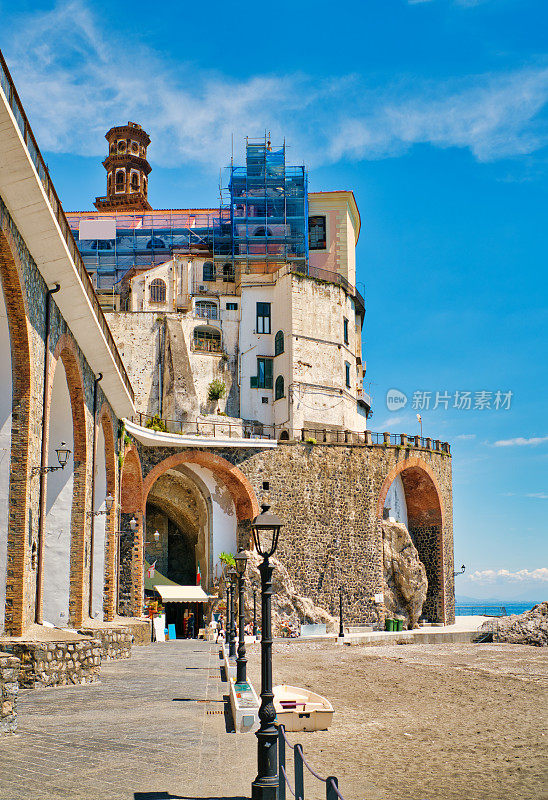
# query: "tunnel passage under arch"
{"type": "Point", "coordinates": [425, 524]}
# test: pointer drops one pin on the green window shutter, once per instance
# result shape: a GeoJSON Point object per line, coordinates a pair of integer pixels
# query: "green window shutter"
{"type": "Point", "coordinates": [253, 382]}
{"type": "Point", "coordinates": [268, 373]}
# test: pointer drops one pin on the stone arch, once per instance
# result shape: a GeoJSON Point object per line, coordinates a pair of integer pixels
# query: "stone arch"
{"type": "Point", "coordinates": [132, 502]}
{"type": "Point", "coordinates": [67, 352]}
{"type": "Point", "coordinates": [245, 501]}
{"type": "Point", "coordinates": [109, 591]}
{"type": "Point", "coordinates": [425, 514]}
{"type": "Point", "coordinates": [13, 525]}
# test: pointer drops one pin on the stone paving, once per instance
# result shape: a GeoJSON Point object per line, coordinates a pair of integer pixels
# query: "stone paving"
{"type": "Point", "coordinates": [139, 734]}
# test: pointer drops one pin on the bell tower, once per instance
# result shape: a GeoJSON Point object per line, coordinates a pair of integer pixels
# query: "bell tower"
{"type": "Point", "coordinates": [127, 170]}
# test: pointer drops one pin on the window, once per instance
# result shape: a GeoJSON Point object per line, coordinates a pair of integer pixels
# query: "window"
{"type": "Point", "coordinates": [209, 271]}
{"type": "Point", "coordinates": [207, 340]}
{"type": "Point", "coordinates": [347, 373]}
{"type": "Point", "coordinates": [279, 343]}
{"type": "Point", "coordinates": [263, 318]}
{"type": "Point", "coordinates": [316, 233]}
{"type": "Point", "coordinates": [135, 181]}
{"type": "Point", "coordinates": [262, 232]}
{"type": "Point", "coordinates": [345, 330]}
{"type": "Point", "coordinates": [263, 379]}
{"type": "Point", "coordinates": [156, 244]}
{"type": "Point", "coordinates": [264, 401]}
{"type": "Point", "coordinates": [232, 306]}
{"type": "Point", "coordinates": [206, 309]}
{"type": "Point", "coordinates": [120, 180]}
{"type": "Point", "coordinates": [158, 291]}
{"type": "Point", "coordinates": [228, 273]}
{"type": "Point", "coordinates": [279, 388]}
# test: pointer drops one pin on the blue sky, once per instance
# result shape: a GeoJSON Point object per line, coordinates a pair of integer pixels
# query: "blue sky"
{"type": "Point", "coordinates": [435, 113]}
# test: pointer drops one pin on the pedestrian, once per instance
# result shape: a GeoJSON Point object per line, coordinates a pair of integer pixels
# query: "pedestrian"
{"type": "Point", "coordinates": [190, 625]}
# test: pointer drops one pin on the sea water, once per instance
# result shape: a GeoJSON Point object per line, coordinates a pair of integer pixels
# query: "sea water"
{"type": "Point", "coordinates": [491, 608]}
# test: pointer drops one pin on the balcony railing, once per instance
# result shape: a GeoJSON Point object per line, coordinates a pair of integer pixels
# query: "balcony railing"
{"type": "Point", "coordinates": [253, 429]}
{"type": "Point", "coordinates": [202, 344]}
{"type": "Point", "coordinates": [23, 124]}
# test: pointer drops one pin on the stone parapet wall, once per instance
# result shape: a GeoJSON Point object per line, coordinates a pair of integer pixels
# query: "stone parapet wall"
{"type": "Point", "coordinates": [56, 663]}
{"type": "Point", "coordinates": [9, 689]}
{"type": "Point", "coordinates": [115, 642]}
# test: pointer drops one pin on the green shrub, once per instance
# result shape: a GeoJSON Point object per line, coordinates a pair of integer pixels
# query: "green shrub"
{"type": "Point", "coordinates": [155, 423]}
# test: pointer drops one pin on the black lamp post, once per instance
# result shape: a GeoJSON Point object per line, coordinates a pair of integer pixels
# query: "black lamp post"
{"type": "Point", "coordinates": [241, 661]}
{"type": "Point", "coordinates": [255, 612]}
{"type": "Point", "coordinates": [233, 575]}
{"type": "Point", "coordinates": [266, 530]}
{"type": "Point", "coordinates": [341, 625]}
{"type": "Point", "coordinates": [227, 631]}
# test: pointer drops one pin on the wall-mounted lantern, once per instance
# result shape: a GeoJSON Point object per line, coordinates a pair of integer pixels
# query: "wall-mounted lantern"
{"type": "Point", "coordinates": [109, 502]}
{"type": "Point", "coordinates": [63, 454]}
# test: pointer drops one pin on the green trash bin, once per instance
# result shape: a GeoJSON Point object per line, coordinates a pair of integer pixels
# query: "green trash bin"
{"type": "Point", "coordinates": [398, 625]}
{"type": "Point", "coordinates": [388, 624]}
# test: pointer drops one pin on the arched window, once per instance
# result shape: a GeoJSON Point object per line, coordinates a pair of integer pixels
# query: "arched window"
{"type": "Point", "coordinates": [228, 273]}
{"type": "Point", "coordinates": [120, 180]}
{"type": "Point", "coordinates": [284, 436]}
{"type": "Point", "coordinates": [262, 232]}
{"type": "Point", "coordinates": [156, 243]}
{"type": "Point", "coordinates": [109, 181]}
{"type": "Point", "coordinates": [158, 291]}
{"type": "Point", "coordinates": [279, 343]}
{"type": "Point", "coordinates": [206, 309]}
{"type": "Point", "coordinates": [207, 340]}
{"type": "Point", "coordinates": [145, 185]}
{"type": "Point", "coordinates": [279, 389]}
{"type": "Point", "coordinates": [135, 181]}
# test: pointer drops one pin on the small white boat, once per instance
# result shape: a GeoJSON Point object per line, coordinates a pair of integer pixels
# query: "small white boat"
{"type": "Point", "coordinates": [301, 710]}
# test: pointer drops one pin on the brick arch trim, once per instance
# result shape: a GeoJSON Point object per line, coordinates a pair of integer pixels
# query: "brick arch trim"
{"type": "Point", "coordinates": [67, 352]}
{"type": "Point", "coordinates": [131, 501]}
{"type": "Point", "coordinates": [21, 370]}
{"type": "Point", "coordinates": [109, 597]}
{"type": "Point", "coordinates": [414, 465]}
{"type": "Point", "coordinates": [236, 482]}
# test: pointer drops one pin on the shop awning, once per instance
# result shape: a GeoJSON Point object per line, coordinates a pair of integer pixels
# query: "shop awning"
{"type": "Point", "coordinates": [182, 594]}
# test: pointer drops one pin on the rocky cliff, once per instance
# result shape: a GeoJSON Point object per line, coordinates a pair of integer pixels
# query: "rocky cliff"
{"type": "Point", "coordinates": [405, 582]}
{"type": "Point", "coordinates": [288, 606]}
{"type": "Point", "coordinates": [531, 627]}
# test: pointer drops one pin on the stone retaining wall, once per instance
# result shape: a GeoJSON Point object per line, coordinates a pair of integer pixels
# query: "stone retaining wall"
{"type": "Point", "coordinates": [9, 688]}
{"type": "Point", "coordinates": [57, 663]}
{"type": "Point", "coordinates": [115, 642]}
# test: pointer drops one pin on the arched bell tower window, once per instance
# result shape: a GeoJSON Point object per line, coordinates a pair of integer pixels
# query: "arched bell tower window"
{"type": "Point", "coordinates": [279, 343]}
{"type": "Point", "coordinates": [135, 181]}
{"type": "Point", "coordinates": [120, 180]}
{"type": "Point", "coordinates": [158, 291]}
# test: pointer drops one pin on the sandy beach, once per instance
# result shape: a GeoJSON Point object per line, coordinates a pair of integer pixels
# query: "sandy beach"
{"type": "Point", "coordinates": [424, 722]}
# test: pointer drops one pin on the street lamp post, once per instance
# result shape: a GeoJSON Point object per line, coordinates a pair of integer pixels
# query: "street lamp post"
{"type": "Point", "coordinates": [266, 530]}
{"type": "Point", "coordinates": [227, 632]}
{"type": "Point", "coordinates": [254, 612]}
{"type": "Point", "coordinates": [341, 625]}
{"type": "Point", "coordinates": [233, 575]}
{"type": "Point", "coordinates": [241, 661]}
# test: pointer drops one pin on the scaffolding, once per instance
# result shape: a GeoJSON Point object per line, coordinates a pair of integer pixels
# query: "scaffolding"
{"type": "Point", "coordinates": [261, 225]}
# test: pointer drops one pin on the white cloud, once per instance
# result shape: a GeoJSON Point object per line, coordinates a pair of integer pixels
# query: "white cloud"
{"type": "Point", "coordinates": [538, 495]}
{"type": "Point", "coordinates": [496, 575]}
{"type": "Point", "coordinates": [519, 441]}
{"type": "Point", "coordinates": [465, 436]}
{"type": "Point", "coordinates": [77, 79]}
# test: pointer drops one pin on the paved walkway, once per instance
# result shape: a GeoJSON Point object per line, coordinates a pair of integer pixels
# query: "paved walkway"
{"type": "Point", "coordinates": [137, 735]}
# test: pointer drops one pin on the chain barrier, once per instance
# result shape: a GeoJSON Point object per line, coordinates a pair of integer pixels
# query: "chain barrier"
{"type": "Point", "coordinates": [299, 762]}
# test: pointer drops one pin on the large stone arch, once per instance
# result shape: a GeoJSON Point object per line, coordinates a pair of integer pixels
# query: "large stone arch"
{"type": "Point", "coordinates": [14, 526]}
{"type": "Point", "coordinates": [67, 352]}
{"type": "Point", "coordinates": [132, 503]}
{"type": "Point", "coordinates": [425, 514]}
{"type": "Point", "coordinates": [109, 596]}
{"type": "Point", "coordinates": [236, 482]}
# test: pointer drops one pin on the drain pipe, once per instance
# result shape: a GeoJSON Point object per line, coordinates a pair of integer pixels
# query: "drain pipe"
{"type": "Point", "coordinates": [43, 464]}
{"type": "Point", "coordinates": [161, 354]}
{"type": "Point", "coordinates": [92, 517]}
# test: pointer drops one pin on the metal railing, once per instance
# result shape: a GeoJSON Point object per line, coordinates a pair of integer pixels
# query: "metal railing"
{"type": "Point", "coordinates": [16, 106]}
{"type": "Point", "coordinates": [481, 611]}
{"type": "Point", "coordinates": [299, 762]}
{"type": "Point", "coordinates": [253, 429]}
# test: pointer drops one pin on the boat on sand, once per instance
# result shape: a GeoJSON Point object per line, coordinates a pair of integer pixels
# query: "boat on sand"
{"type": "Point", "coordinates": [300, 709]}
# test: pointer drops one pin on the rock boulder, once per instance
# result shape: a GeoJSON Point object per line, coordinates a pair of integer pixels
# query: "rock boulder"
{"type": "Point", "coordinates": [531, 627]}
{"type": "Point", "coordinates": [405, 581]}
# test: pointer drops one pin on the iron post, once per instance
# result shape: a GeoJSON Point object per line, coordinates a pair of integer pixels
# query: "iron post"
{"type": "Point", "coordinates": [255, 613]}
{"type": "Point", "coordinates": [341, 625]}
